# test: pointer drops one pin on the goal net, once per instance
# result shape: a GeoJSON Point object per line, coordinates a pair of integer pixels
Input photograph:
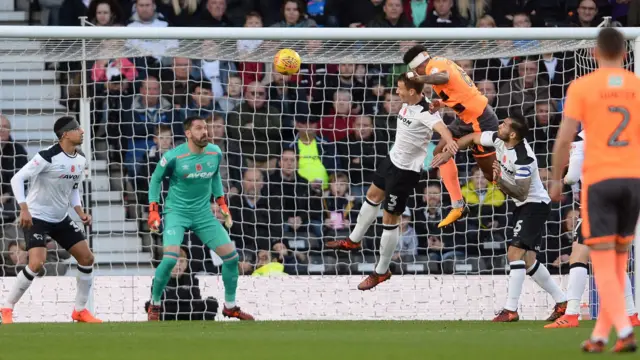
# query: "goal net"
{"type": "Point", "coordinates": [299, 154]}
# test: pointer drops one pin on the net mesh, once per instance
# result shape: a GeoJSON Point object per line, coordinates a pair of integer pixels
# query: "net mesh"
{"type": "Point", "coordinates": [139, 92]}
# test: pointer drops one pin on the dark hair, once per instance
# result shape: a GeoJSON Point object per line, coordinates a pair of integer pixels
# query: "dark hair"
{"type": "Point", "coordinates": [251, 14]}
{"type": "Point", "coordinates": [519, 126]}
{"type": "Point", "coordinates": [61, 123]}
{"type": "Point", "coordinates": [214, 117]}
{"type": "Point", "coordinates": [116, 11]}
{"type": "Point", "coordinates": [412, 53]}
{"type": "Point", "coordinates": [611, 43]}
{"type": "Point", "coordinates": [202, 84]}
{"type": "Point", "coordinates": [302, 8]}
{"type": "Point", "coordinates": [189, 121]}
{"type": "Point", "coordinates": [410, 84]}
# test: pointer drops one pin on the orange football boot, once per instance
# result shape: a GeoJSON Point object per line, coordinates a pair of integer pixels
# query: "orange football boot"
{"type": "Point", "coordinates": [565, 322]}
{"type": "Point", "coordinates": [373, 280]}
{"type": "Point", "coordinates": [507, 316]}
{"type": "Point", "coordinates": [84, 316]}
{"type": "Point", "coordinates": [345, 244]}
{"type": "Point", "coordinates": [7, 315]}
{"type": "Point", "coordinates": [235, 312]}
{"type": "Point", "coordinates": [626, 345]}
{"type": "Point", "coordinates": [591, 346]}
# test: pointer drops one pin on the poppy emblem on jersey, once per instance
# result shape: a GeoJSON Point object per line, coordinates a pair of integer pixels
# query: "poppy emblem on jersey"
{"type": "Point", "coordinates": [198, 167]}
{"type": "Point", "coordinates": [504, 159]}
{"type": "Point", "coordinates": [73, 168]}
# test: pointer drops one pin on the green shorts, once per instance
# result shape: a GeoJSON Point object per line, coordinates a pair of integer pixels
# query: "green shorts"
{"type": "Point", "coordinates": [204, 225]}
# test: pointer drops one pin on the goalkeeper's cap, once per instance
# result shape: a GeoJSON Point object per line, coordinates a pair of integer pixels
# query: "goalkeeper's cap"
{"type": "Point", "coordinates": [415, 56]}
{"type": "Point", "coordinates": [64, 124]}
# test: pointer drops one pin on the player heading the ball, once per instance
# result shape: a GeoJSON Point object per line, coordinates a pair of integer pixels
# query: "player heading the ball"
{"type": "Point", "coordinates": [193, 169]}
{"type": "Point", "coordinates": [457, 91]}
{"type": "Point", "coordinates": [397, 176]}
{"type": "Point", "coordinates": [55, 174]}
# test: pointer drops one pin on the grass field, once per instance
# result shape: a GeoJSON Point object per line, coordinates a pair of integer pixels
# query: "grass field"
{"type": "Point", "coordinates": [300, 340]}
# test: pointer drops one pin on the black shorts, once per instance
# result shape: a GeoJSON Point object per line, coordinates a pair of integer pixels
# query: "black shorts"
{"type": "Point", "coordinates": [398, 185]}
{"type": "Point", "coordinates": [610, 210]}
{"type": "Point", "coordinates": [488, 121]}
{"type": "Point", "coordinates": [529, 224]}
{"type": "Point", "coordinates": [66, 233]}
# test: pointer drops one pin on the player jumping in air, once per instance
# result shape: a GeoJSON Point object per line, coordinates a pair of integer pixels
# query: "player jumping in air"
{"type": "Point", "coordinates": [193, 174]}
{"type": "Point", "coordinates": [54, 174]}
{"type": "Point", "coordinates": [578, 274]}
{"type": "Point", "coordinates": [397, 176]}
{"type": "Point", "coordinates": [607, 103]}
{"type": "Point", "coordinates": [457, 91]}
{"type": "Point", "coordinates": [517, 175]}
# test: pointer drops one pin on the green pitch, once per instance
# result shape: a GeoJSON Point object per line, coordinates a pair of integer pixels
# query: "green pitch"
{"type": "Point", "coordinates": [299, 340]}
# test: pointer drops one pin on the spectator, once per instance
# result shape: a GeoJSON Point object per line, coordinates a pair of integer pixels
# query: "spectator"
{"type": "Point", "coordinates": [181, 299]}
{"type": "Point", "coordinates": [182, 12]}
{"type": "Point", "coordinates": [521, 20]}
{"type": "Point", "coordinates": [286, 98]}
{"type": "Point", "coordinates": [69, 12]}
{"type": "Point", "coordinates": [294, 14]}
{"type": "Point", "coordinates": [315, 155]}
{"type": "Point", "coordinates": [558, 70]}
{"type": "Point", "coordinates": [323, 12]}
{"type": "Point", "coordinates": [233, 96]}
{"type": "Point", "coordinates": [105, 71]}
{"type": "Point", "coordinates": [301, 208]}
{"type": "Point", "coordinates": [386, 121]}
{"type": "Point", "coordinates": [362, 150]}
{"type": "Point", "coordinates": [467, 67]}
{"type": "Point", "coordinates": [146, 16]}
{"type": "Point", "coordinates": [162, 142]}
{"type": "Point", "coordinates": [105, 13]}
{"type": "Point", "coordinates": [358, 13]}
{"type": "Point", "coordinates": [374, 96]}
{"type": "Point", "coordinates": [140, 121]}
{"type": "Point", "coordinates": [231, 160]}
{"type": "Point", "coordinates": [178, 81]}
{"type": "Point", "coordinates": [215, 16]}
{"type": "Point", "coordinates": [544, 130]}
{"type": "Point", "coordinates": [392, 16]}
{"type": "Point", "coordinates": [586, 16]}
{"type": "Point", "coordinates": [487, 204]}
{"type": "Point", "coordinates": [13, 157]}
{"type": "Point", "coordinates": [257, 221]}
{"type": "Point", "coordinates": [255, 128]}
{"type": "Point", "coordinates": [417, 11]}
{"type": "Point", "coordinates": [558, 248]}
{"type": "Point", "coordinates": [268, 265]}
{"type": "Point", "coordinates": [407, 247]}
{"type": "Point", "coordinates": [445, 15]}
{"type": "Point", "coordinates": [16, 259]}
{"type": "Point", "coordinates": [471, 11]}
{"type": "Point", "coordinates": [344, 80]}
{"type": "Point", "coordinates": [335, 126]}
{"type": "Point", "coordinates": [488, 89]}
{"type": "Point", "coordinates": [251, 71]}
{"type": "Point", "coordinates": [520, 95]}
{"type": "Point", "coordinates": [339, 205]}
{"type": "Point", "coordinates": [218, 73]}
{"type": "Point", "coordinates": [199, 103]}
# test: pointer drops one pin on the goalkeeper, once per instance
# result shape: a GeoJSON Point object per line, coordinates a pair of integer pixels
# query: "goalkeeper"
{"type": "Point", "coordinates": [193, 174]}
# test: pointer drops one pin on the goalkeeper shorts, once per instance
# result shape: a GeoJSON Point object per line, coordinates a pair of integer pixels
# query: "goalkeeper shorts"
{"type": "Point", "coordinates": [204, 224]}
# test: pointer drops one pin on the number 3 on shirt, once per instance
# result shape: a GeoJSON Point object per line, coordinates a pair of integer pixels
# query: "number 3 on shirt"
{"type": "Point", "coordinates": [614, 139]}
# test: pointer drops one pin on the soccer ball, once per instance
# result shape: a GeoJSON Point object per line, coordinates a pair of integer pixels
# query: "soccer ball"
{"type": "Point", "coordinates": [287, 62]}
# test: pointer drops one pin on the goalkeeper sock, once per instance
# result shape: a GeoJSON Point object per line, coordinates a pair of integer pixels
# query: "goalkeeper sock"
{"type": "Point", "coordinates": [388, 243]}
{"type": "Point", "coordinates": [230, 275]}
{"type": "Point", "coordinates": [162, 276]}
{"type": "Point", "coordinates": [517, 274]}
{"type": "Point", "coordinates": [23, 281]}
{"type": "Point", "coordinates": [578, 276]}
{"type": "Point", "coordinates": [449, 175]}
{"type": "Point", "coordinates": [541, 276]}
{"type": "Point", "coordinates": [630, 305]}
{"type": "Point", "coordinates": [84, 281]}
{"type": "Point", "coordinates": [366, 217]}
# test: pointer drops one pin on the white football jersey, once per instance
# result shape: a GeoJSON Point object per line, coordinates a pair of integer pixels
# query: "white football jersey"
{"type": "Point", "coordinates": [574, 171]}
{"type": "Point", "coordinates": [54, 177]}
{"type": "Point", "coordinates": [518, 162]}
{"type": "Point", "coordinates": [413, 133]}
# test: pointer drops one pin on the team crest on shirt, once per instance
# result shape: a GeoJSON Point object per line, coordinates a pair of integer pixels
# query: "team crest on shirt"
{"type": "Point", "coordinates": [198, 167]}
{"type": "Point", "coordinates": [185, 167]}
{"type": "Point", "coordinates": [163, 162]}
{"type": "Point", "coordinates": [209, 164]}
{"type": "Point", "coordinates": [615, 81]}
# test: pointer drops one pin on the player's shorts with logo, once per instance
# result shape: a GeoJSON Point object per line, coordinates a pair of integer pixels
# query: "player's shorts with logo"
{"type": "Point", "coordinates": [66, 233]}
{"type": "Point", "coordinates": [610, 210]}
{"type": "Point", "coordinates": [397, 183]}
{"type": "Point", "coordinates": [529, 224]}
{"type": "Point", "coordinates": [204, 224]}
{"type": "Point", "coordinates": [488, 121]}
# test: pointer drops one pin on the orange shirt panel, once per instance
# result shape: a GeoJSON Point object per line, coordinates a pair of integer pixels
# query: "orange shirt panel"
{"type": "Point", "coordinates": [459, 93]}
{"type": "Point", "coordinates": [607, 102]}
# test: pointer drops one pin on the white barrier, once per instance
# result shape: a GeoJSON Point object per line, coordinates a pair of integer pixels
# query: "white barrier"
{"type": "Point", "coordinates": [424, 297]}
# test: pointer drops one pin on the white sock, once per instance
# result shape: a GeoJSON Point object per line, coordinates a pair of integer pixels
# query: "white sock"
{"type": "Point", "coordinates": [388, 243]}
{"type": "Point", "coordinates": [541, 276]}
{"type": "Point", "coordinates": [23, 281]}
{"type": "Point", "coordinates": [84, 281]}
{"type": "Point", "coordinates": [517, 274]}
{"type": "Point", "coordinates": [623, 333]}
{"type": "Point", "coordinates": [578, 277]}
{"type": "Point", "coordinates": [366, 217]}
{"type": "Point", "coordinates": [630, 305]}
{"type": "Point", "coordinates": [229, 305]}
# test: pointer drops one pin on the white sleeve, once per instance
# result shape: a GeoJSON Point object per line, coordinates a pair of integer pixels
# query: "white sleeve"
{"type": "Point", "coordinates": [488, 138]}
{"type": "Point", "coordinates": [75, 197]}
{"type": "Point", "coordinates": [429, 119]}
{"type": "Point", "coordinates": [35, 166]}
{"type": "Point", "coordinates": [524, 167]}
{"type": "Point", "coordinates": [576, 157]}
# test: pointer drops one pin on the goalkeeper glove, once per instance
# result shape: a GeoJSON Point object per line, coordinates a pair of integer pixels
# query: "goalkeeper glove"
{"type": "Point", "coordinates": [224, 209]}
{"type": "Point", "coordinates": [154, 217]}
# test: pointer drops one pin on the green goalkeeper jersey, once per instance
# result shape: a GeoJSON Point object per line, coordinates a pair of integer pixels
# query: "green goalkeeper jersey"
{"type": "Point", "coordinates": [193, 178]}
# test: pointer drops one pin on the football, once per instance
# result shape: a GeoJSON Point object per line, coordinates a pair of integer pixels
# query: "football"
{"type": "Point", "coordinates": [287, 62]}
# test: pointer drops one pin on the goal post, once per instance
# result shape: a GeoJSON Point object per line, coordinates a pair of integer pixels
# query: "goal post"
{"type": "Point", "coordinates": [472, 287]}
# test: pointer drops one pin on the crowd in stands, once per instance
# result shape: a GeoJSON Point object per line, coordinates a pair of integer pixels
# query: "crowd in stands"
{"type": "Point", "coordinates": [300, 151]}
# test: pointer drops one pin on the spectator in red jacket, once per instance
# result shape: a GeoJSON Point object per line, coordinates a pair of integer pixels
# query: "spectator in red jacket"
{"type": "Point", "coordinates": [335, 126]}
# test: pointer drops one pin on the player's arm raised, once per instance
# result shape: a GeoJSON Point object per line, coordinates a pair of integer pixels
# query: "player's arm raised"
{"type": "Point", "coordinates": [438, 78]}
{"type": "Point", "coordinates": [164, 168]}
{"type": "Point", "coordinates": [463, 143]}
{"type": "Point", "coordinates": [34, 167]}
{"type": "Point", "coordinates": [519, 190]}
{"type": "Point", "coordinates": [218, 193]}
{"type": "Point", "coordinates": [451, 146]}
